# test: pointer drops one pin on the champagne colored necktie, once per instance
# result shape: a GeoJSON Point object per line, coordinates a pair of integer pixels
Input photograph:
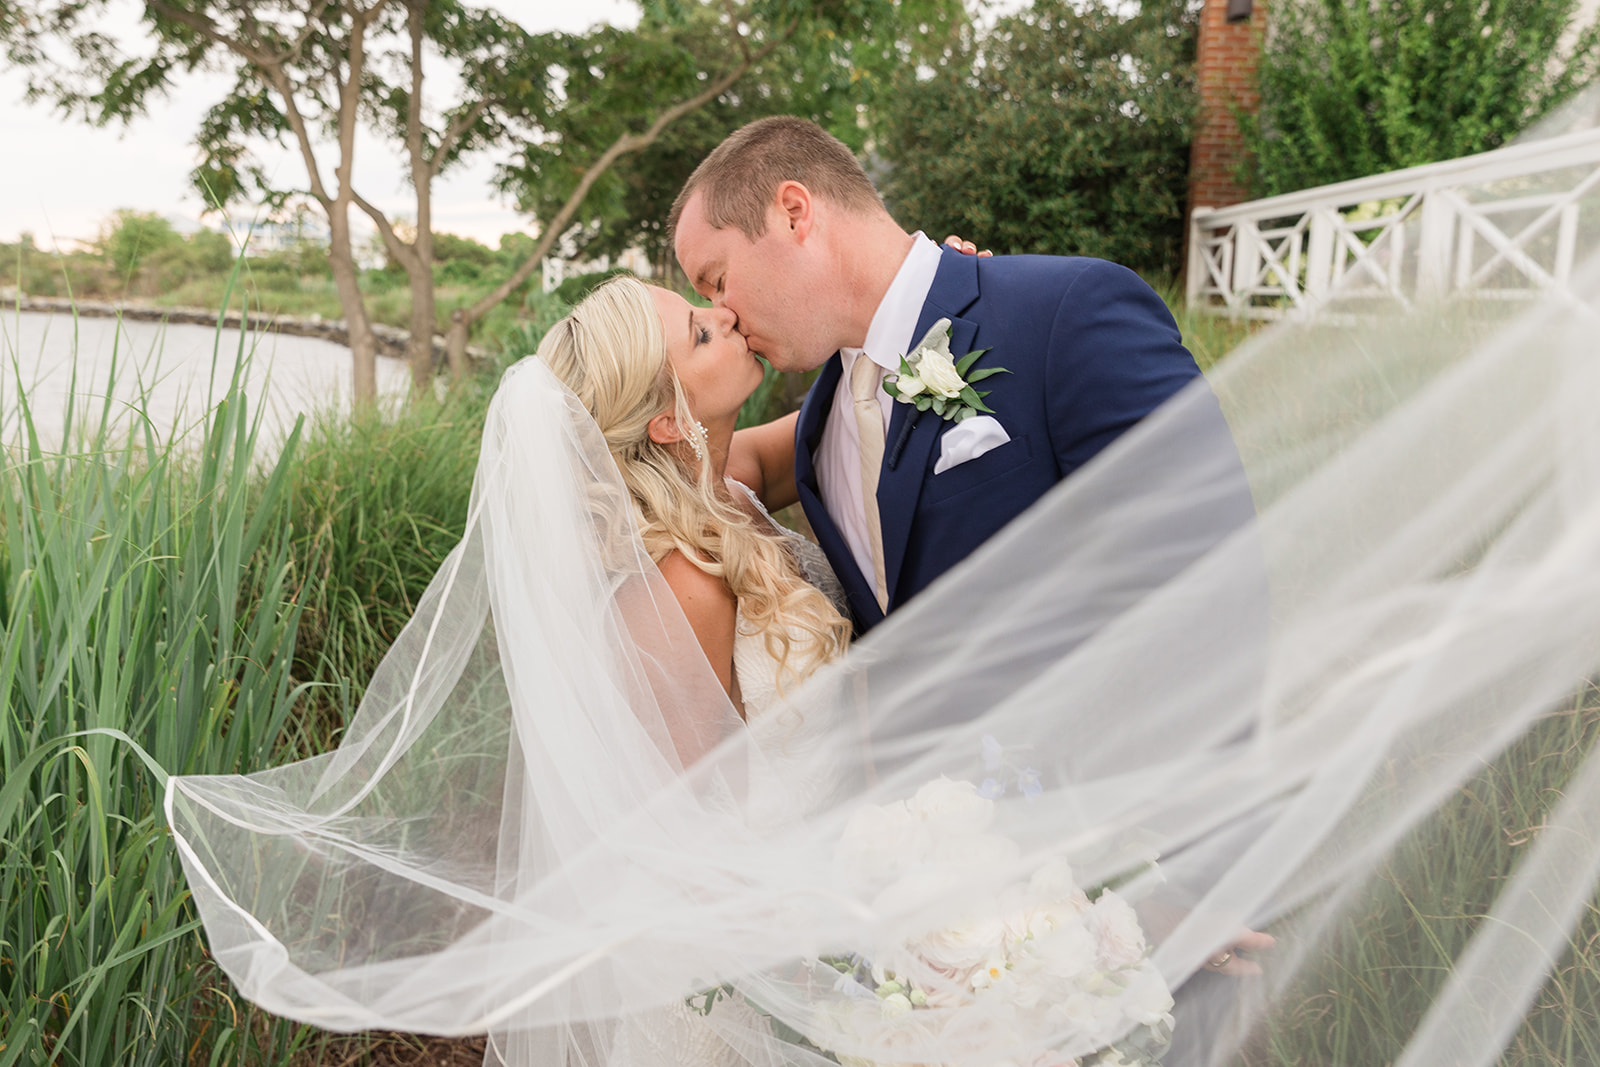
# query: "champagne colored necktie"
{"type": "Point", "coordinates": [864, 379]}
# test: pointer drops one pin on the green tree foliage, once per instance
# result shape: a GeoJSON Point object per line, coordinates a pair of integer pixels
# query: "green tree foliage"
{"type": "Point", "coordinates": [839, 79]}
{"type": "Point", "coordinates": [1064, 129]}
{"type": "Point", "coordinates": [1351, 89]}
{"type": "Point", "coordinates": [133, 237]}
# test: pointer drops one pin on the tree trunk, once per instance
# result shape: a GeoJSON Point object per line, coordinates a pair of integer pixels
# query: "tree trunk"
{"type": "Point", "coordinates": [419, 348]}
{"type": "Point", "coordinates": [455, 344]}
{"type": "Point", "coordinates": [363, 345]}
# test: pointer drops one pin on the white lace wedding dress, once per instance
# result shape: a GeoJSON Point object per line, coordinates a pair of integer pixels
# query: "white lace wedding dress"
{"type": "Point", "coordinates": [681, 1036]}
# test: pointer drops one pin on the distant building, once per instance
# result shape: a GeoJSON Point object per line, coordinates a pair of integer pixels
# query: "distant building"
{"type": "Point", "coordinates": [269, 236]}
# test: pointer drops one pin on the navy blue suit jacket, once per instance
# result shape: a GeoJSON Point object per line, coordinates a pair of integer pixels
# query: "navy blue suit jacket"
{"type": "Point", "coordinates": [1091, 350]}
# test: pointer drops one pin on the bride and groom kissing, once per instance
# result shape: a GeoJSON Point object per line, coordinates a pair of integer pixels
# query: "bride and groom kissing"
{"type": "Point", "coordinates": [601, 681]}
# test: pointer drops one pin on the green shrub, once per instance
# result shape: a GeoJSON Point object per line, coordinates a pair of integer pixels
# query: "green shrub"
{"type": "Point", "coordinates": [1064, 129]}
{"type": "Point", "coordinates": [1351, 89]}
{"type": "Point", "coordinates": [575, 288]}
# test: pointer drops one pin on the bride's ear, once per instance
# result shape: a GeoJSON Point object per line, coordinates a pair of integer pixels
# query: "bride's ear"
{"type": "Point", "coordinates": [664, 430]}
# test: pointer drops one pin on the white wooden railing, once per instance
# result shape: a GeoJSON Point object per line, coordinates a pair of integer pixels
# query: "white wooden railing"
{"type": "Point", "coordinates": [1500, 225]}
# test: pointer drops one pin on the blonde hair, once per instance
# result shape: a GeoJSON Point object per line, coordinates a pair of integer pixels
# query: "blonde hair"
{"type": "Point", "coordinates": [611, 351]}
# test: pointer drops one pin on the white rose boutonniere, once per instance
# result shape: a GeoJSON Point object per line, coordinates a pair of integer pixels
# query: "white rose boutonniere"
{"type": "Point", "coordinates": [931, 378]}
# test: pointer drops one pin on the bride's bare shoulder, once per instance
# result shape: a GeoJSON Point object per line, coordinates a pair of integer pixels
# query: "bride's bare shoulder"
{"type": "Point", "coordinates": [710, 607]}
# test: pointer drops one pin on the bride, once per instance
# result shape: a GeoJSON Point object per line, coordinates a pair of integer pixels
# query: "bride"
{"type": "Point", "coordinates": [664, 382]}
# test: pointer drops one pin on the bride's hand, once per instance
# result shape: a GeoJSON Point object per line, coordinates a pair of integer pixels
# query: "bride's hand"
{"type": "Point", "coordinates": [1231, 960]}
{"type": "Point", "coordinates": [966, 248]}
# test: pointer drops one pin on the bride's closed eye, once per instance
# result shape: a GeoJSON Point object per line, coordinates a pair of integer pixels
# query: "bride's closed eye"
{"type": "Point", "coordinates": [702, 334]}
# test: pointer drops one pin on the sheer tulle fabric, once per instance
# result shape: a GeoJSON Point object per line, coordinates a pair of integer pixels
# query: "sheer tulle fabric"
{"type": "Point", "coordinates": [548, 823]}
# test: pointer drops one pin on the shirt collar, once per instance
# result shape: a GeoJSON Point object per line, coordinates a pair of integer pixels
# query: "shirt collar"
{"type": "Point", "coordinates": [889, 335]}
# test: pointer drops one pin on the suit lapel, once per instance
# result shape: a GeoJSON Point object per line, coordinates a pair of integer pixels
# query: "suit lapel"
{"type": "Point", "coordinates": [807, 437]}
{"type": "Point", "coordinates": [955, 288]}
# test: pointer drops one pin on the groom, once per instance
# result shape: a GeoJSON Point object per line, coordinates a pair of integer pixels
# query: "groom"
{"type": "Point", "coordinates": [781, 225]}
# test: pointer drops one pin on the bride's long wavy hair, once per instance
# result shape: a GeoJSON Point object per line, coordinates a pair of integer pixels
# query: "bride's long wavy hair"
{"type": "Point", "coordinates": [611, 352]}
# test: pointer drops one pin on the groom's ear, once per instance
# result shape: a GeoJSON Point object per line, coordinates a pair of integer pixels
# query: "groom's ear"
{"type": "Point", "coordinates": [663, 429]}
{"type": "Point", "coordinates": [795, 206]}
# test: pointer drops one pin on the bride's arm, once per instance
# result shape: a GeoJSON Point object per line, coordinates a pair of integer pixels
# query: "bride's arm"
{"type": "Point", "coordinates": [711, 609]}
{"type": "Point", "coordinates": [762, 457]}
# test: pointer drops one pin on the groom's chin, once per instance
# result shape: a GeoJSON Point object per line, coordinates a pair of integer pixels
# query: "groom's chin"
{"type": "Point", "coordinates": [792, 362]}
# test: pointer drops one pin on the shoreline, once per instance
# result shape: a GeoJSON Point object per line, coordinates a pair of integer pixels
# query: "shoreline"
{"type": "Point", "coordinates": [391, 340]}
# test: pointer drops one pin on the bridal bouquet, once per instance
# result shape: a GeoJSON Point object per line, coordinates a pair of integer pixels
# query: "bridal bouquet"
{"type": "Point", "coordinates": [1044, 956]}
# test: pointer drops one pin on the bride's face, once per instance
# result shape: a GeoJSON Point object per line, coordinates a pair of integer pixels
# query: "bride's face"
{"type": "Point", "coordinates": [709, 355]}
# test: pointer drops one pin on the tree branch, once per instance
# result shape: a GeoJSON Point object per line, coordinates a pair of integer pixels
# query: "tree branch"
{"type": "Point", "coordinates": [733, 24]}
{"type": "Point", "coordinates": [460, 126]}
{"type": "Point", "coordinates": [402, 252]}
{"type": "Point", "coordinates": [271, 70]}
{"type": "Point", "coordinates": [628, 142]}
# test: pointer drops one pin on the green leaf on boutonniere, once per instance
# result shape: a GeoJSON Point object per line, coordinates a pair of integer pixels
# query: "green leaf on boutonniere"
{"type": "Point", "coordinates": [891, 388]}
{"type": "Point", "coordinates": [974, 400]}
{"type": "Point", "coordinates": [987, 372]}
{"type": "Point", "coordinates": [968, 360]}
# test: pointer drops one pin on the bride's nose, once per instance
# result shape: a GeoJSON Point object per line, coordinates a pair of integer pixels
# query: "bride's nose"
{"type": "Point", "coordinates": [727, 321]}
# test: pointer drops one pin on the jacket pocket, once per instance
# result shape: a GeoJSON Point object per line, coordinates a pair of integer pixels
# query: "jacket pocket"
{"type": "Point", "coordinates": [964, 477]}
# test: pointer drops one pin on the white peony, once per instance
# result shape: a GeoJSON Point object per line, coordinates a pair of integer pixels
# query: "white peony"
{"type": "Point", "coordinates": [938, 372]}
{"type": "Point", "coordinates": [882, 842]}
{"type": "Point", "coordinates": [1147, 1000]}
{"type": "Point", "coordinates": [1099, 1019]}
{"type": "Point", "coordinates": [1067, 952]}
{"type": "Point", "coordinates": [1118, 935]}
{"type": "Point", "coordinates": [1053, 881]}
{"type": "Point", "coordinates": [979, 853]}
{"type": "Point", "coordinates": [888, 1039]}
{"type": "Point", "coordinates": [954, 805]}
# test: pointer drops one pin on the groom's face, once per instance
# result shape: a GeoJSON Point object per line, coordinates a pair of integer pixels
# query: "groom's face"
{"type": "Point", "coordinates": [766, 281]}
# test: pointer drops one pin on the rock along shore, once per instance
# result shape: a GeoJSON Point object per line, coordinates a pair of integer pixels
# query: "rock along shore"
{"type": "Point", "coordinates": [391, 340]}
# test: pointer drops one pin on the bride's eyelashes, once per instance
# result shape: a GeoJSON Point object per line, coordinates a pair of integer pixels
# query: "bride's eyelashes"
{"type": "Point", "coordinates": [702, 334]}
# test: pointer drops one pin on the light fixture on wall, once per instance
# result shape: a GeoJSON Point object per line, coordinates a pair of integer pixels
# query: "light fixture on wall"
{"type": "Point", "coordinates": [1239, 10]}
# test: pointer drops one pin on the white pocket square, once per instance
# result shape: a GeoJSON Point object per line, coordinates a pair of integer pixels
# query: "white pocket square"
{"type": "Point", "coordinates": [969, 439]}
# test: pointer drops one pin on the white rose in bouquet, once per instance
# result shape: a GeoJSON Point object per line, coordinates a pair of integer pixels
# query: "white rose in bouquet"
{"type": "Point", "coordinates": [959, 949]}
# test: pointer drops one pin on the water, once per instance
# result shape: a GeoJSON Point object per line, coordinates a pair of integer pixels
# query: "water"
{"type": "Point", "coordinates": [178, 369]}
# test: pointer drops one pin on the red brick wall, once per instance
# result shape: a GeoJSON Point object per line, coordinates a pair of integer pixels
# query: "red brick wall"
{"type": "Point", "coordinates": [1226, 62]}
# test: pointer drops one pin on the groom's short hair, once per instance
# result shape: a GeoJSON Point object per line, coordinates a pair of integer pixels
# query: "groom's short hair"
{"type": "Point", "coordinates": [742, 174]}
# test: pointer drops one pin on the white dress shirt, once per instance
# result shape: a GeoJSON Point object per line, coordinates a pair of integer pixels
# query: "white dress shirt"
{"type": "Point", "coordinates": [838, 459]}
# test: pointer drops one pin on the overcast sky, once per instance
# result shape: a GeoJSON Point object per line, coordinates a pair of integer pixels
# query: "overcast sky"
{"type": "Point", "coordinates": [62, 178]}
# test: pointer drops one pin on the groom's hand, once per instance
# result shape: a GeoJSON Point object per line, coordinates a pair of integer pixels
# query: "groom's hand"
{"type": "Point", "coordinates": [966, 248]}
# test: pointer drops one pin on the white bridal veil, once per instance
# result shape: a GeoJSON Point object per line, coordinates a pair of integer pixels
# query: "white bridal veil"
{"type": "Point", "coordinates": [546, 822]}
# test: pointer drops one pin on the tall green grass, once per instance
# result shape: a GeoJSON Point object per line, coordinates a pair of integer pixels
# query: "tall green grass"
{"type": "Point", "coordinates": [121, 562]}
{"type": "Point", "coordinates": [177, 606]}
{"type": "Point", "coordinates": [1389, 956]}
